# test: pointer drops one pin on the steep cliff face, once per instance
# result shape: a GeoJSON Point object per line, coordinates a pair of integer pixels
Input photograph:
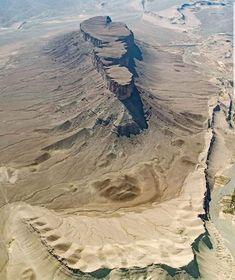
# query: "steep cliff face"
{"type": "Point", "coordinates": [113, 55]}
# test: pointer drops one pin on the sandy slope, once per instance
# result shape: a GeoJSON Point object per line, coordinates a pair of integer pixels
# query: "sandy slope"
{"type": "Point", "coordinates": [75, 197]}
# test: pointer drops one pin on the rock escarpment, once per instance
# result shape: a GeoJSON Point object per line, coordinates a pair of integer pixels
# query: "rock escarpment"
{"type": "Point", "coordinates": [113, 55]}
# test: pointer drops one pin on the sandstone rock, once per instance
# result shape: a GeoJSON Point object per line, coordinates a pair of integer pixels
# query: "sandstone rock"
{"type": "Point", "coordinates": [112, 53]}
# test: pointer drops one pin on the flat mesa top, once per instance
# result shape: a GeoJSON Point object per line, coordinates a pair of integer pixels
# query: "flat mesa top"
{"type": "Point", "coordinates": [114, 50]}
{"type": "Point", "coordinates": [102, 27]}
{"type": "Point", "coordinates": [120, 74]}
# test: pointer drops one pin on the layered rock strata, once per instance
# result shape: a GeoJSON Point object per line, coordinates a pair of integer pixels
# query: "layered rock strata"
{"type": "Point", "coordinates": [113, 42]}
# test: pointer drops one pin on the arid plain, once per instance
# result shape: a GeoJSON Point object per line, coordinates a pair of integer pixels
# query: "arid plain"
{"type": "Point", "coordinates": [117, 142]}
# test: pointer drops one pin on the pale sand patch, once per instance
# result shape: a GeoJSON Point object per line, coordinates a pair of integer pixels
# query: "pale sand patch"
{"type": "Point", "coordinates": [171, 18]}
{"type": "Point", "coordinates": [8, 175]}
{"type": "Point", "coordinates": [162, 234]}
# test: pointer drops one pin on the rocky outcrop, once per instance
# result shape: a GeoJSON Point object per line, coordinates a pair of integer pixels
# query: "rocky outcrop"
{"type": "Point", "coordinates": [112, 53]}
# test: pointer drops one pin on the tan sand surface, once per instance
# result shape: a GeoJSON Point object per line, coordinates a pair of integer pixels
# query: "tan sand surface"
{"type": "Point", "coordinates": [80, 202]}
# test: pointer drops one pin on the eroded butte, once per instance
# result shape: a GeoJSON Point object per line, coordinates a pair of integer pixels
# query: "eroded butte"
{"type": "Point", "coordinates": [103, 162]}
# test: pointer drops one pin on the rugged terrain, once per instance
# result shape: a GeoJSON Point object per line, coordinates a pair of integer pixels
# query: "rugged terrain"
{"type": "Point", "coordinates": [112, 142]}
{"type": "Point", "coordinates": [114, 57]}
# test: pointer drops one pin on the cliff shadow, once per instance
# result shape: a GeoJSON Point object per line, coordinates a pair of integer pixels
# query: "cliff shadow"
{"type": "Point", "coordinates": [135, 107]}
{"type": "Point", "coordinates": [136, 54]}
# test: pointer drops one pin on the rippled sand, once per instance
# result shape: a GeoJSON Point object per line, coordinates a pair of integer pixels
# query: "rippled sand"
{"type": "Point", "coordinates": [78, 201]}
